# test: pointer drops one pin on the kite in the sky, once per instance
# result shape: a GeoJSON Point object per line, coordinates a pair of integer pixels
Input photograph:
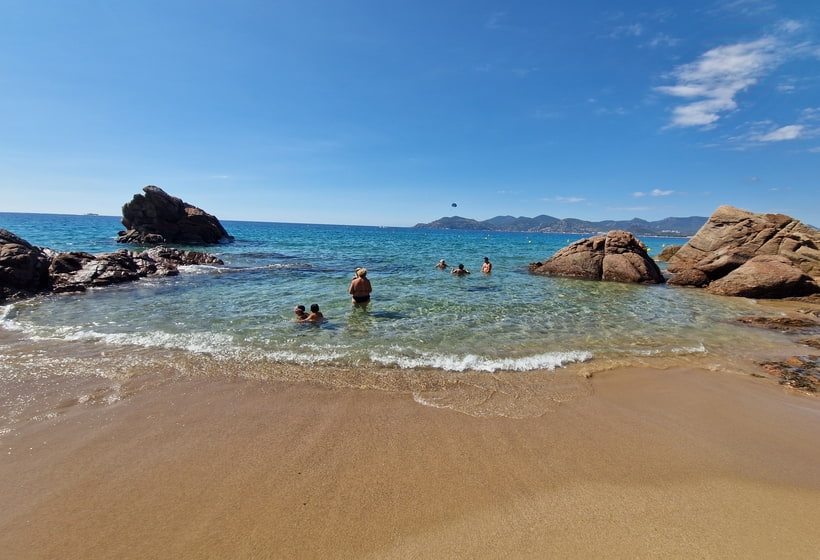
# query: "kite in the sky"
{"type": "Point", "coordinates": [454, 205]}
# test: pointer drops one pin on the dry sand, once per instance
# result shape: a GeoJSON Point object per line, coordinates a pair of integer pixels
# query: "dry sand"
{"type": "Point", "coordinates": [653, 464]}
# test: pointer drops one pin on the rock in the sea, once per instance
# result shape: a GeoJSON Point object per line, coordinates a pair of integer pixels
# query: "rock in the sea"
{"type": "Point", "coordinates": [26, 270]}
{"type": "Point", "coordinates": [23, 267]}
{"type": "Point", "coordinates": [617, 256]}
{"type": "Point", "coordinates": [733, 237]}
{"type": "Point", "coordinates": [157, 218]}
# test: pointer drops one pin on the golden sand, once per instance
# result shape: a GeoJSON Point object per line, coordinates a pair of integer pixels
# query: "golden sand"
{"type": "Point", "coordinates": [680, 463]}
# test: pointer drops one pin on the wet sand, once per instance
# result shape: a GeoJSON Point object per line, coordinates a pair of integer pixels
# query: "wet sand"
{"type": "Point", "coordinates": [679, 463]}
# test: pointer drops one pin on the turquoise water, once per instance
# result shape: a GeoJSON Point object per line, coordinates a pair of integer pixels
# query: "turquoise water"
{"type": "Point", "coordinates": [421, 319]}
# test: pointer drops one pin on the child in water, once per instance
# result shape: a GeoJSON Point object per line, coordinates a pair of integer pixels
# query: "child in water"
{"type": "Point", "coordinates": [315, 315]}
{"type": "Point", "coordinates": [301, 314]}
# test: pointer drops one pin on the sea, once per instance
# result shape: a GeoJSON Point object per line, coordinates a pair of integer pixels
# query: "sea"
{"type": "Point", "coordinates": [506, 343]}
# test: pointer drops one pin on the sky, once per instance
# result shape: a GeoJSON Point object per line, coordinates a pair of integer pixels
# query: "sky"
{"type": "Point", "coordinates": [388, 112]}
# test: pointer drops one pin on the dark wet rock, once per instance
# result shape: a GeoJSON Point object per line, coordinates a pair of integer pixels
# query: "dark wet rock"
{"type": "Point", "coordinates": [617, 256]}
{"type": "Point", "coordinates": [798, 372]}
{"type": "Point", "coordinates": [156, 218]}
{"type": "Point", "coordinates": [23, 267]}
{"type": "Point", "coordinates": [731, 238]}
{"type": "Point", "coordinates": [813, 342]}
{"type": "Point", "coordinates": [785, 324]}
{"type": "Point", "coordinates": [26, 270]}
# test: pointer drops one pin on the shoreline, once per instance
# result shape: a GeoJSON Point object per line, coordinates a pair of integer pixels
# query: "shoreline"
{"type": "Point", "coordinates": [649, 464]}
{"type": "Point", "coordinates": [194, 460]}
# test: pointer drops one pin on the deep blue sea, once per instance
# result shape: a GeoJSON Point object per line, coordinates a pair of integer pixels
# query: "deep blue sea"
{"type": "Point", "coordinates": [424, 328]}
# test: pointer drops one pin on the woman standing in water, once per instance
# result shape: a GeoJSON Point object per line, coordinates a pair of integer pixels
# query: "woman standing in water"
{"type": "Point", "coordinates": [360, 288]}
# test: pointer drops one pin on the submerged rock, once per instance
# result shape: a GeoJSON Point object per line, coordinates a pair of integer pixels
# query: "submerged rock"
{"type": "Point", "coordinates": [617, 256]}
{"type": "Point", "coordinates": [156, 218]}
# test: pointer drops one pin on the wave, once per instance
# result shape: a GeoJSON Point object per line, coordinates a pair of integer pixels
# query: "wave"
{"type": "Point", "coordinates": [548, 361]}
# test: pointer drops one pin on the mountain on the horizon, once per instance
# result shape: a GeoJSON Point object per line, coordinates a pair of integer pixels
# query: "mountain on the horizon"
{"type": "Point", "coordinates": [667, 227]}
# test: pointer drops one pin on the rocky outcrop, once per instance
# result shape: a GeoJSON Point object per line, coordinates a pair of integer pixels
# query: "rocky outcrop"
{"type": "Point", "coordinates": [23, 267]}
{"type": "Point", "coordinates": [26, 270]}
{"type": "Point", "coordinates": [765, 276]}
{"type": "Point", "coordinates": [617, 256]}
{"type": "Point", "coordinates": [727, 256]}
{"type": "Point", "coordinates": [157, 218]}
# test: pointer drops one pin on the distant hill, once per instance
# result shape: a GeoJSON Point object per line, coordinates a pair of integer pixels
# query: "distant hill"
{"type": "Point", "coordinates": [668, 227]}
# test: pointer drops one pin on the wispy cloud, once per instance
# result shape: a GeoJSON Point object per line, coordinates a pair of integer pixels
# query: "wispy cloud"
{"type": "Point", "coordinates": [495, 20]}
{"type": "Point", "coordinates": [570, 199]}
{"type": "Point", "coordinates": [790, 132]}
{"type": "Point", "coordinates": [713, 80]}
{"type": "Point", "coordinates": [653, 192]}
{"type": "Point", "coordinates": [745, 7]}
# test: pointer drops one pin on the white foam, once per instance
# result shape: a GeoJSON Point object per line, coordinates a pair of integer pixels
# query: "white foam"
{"type": "Point", "coordinates": [548, 361]}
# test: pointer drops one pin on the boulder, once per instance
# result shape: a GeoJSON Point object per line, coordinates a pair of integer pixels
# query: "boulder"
{"type": "Point", "coordinates": [668, 252]}
{"type": "Point", "coordinates": [26, 270]}
{"type": "Point", "coordinates": [765, 276]}
{"type": "Point", "coordinates": [617, 256]}
{"type": "Point", "coordinates": [732, 237]}
{"type": "Point", "coordinates": [23, 267]}
{"type": "Point", "coordinates": [156, 218]}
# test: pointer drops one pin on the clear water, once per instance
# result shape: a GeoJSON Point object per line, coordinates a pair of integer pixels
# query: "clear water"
{"type": "Point", "coordinates": [421, 319]}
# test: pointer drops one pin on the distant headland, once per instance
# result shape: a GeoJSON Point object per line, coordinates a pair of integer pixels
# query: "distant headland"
{"type": "Point", "coordinates": [668, 227]}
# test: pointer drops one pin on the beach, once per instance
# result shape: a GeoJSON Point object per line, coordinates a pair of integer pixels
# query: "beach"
{"type": "Point", "coordinates": [648, 464]}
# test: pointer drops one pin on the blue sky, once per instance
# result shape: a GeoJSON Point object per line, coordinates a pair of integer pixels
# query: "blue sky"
{"type": "Point", "coordinates": [386, 112]}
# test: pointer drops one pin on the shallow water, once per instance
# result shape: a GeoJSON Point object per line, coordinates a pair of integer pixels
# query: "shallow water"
{"type": "Point", "coordinates": [507, 333]}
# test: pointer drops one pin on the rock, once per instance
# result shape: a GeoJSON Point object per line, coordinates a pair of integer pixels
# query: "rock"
{"type": "Point", "coordinates": [689, 277]}
{"type": "Point", "coordinates": [765, 276]}
{"type": "Point", "coordinates": [668, 253]}
{"type": "Point", "coordinates": [26, 270]}
{"type": "Point", "coordinates": [23, 267]}
{"type": "Point", "coordinates": [732, 237]}
{"type": "Point", "coordinates": [618, 256]}
{"type": "Point", "coordinates": [156, 218]}
{"type": "Point", "coordinates": [798, 372]}
{"type": "Point", "coordinates": [71, 272]}
{"type": "Point", "coordinates": [783, 324]}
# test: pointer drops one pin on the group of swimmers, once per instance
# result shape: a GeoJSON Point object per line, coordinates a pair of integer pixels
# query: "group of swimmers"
{"type": "Point", "coordinates": [486, 268]}
{"type": "Point", "coordinates": [359, 290]}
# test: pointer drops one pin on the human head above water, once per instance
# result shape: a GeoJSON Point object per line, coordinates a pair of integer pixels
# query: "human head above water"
{"type": "Point", "coordinates": [361, 272]}
{"type": "Point", "coordinates": [299, 309]}
{"type": "Point", "coordinates": [314, 307]}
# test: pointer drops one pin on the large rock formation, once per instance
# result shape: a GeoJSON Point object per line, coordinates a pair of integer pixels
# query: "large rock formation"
{"type": "Point", "coordinates": [617, 256]}
{"type": "Point", "coordinates": [26, 270]}
{"type": "Point", "coordinates": [157, 218]}
{"type": "Point", "coordinates": [726, 256]}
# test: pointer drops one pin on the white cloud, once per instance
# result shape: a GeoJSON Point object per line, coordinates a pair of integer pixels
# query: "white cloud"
{"type": "Point", "coordinates": [716, 77]}
{"type": "Point", "coordinates": [790, 132]}
{"type": "Point", "coordinates": [653, 192]}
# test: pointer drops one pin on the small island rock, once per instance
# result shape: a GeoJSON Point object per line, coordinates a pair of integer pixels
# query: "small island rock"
{"type": "Point", "coordinates": [156, 218]}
